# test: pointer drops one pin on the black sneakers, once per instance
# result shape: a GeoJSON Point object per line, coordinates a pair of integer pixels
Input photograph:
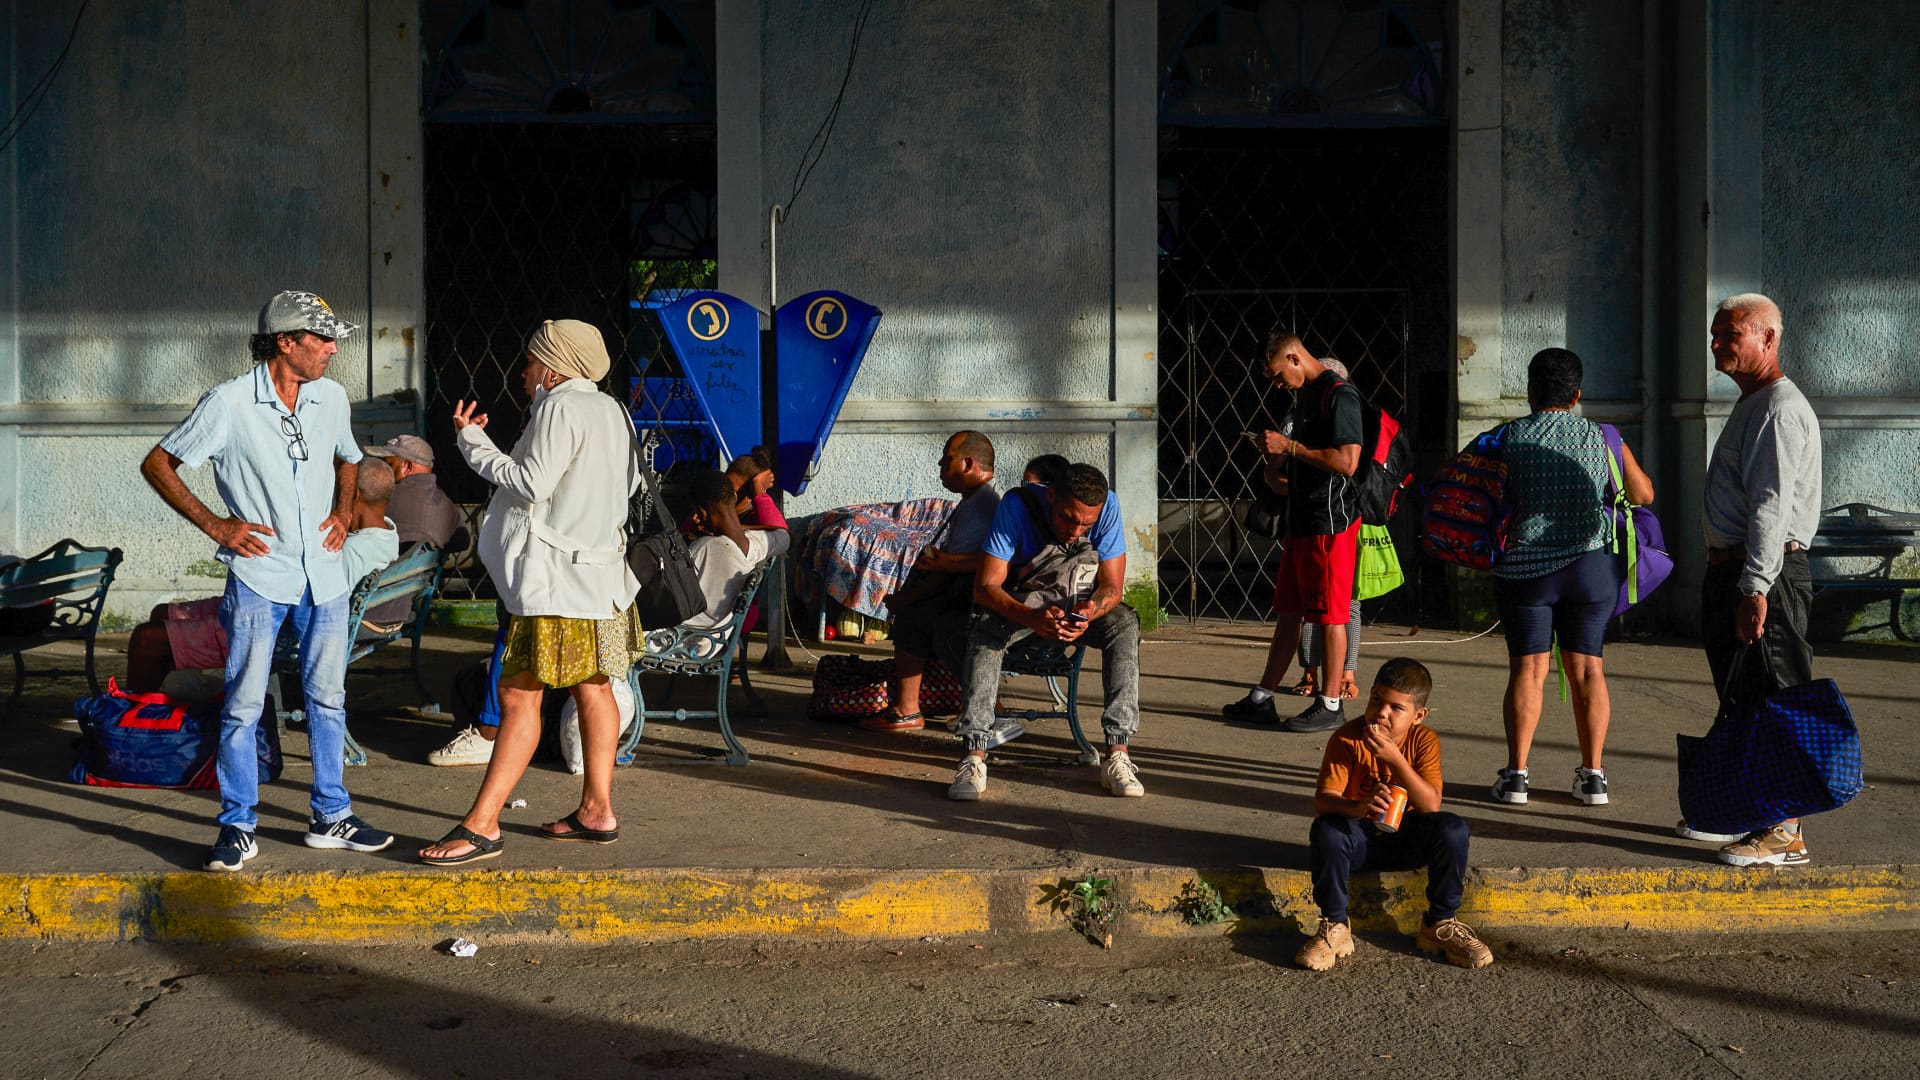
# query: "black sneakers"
{"type": "Point", "coordinates": [232, 850]}
{"type": "Point", "coordinates": [1316, 717]}
{"type": "Point", "coordinates": [349, 833]}
{"type": "Point", "coordinates": [1245, 711]}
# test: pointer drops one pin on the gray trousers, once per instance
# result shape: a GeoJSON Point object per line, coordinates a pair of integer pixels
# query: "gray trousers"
{"type": "Point", "coordinates": [1116, 634]}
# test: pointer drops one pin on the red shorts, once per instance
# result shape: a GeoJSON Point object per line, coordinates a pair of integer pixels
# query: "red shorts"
{"type": "Point", "coordinates": [1314, 577]}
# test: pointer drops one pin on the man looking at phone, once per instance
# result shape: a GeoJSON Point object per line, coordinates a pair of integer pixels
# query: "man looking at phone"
{"type": "Point", "coordinates": [1053, 566]}
{"type": "Point", "coordinates": [1314, 578]}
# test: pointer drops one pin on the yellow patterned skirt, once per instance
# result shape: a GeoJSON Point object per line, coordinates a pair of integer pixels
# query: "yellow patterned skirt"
{"type": "Point", "coordinates": [560, 651]}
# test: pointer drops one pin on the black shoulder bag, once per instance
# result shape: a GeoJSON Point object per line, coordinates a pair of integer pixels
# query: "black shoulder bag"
{"type": "Point", "coordinates": [657, 554]}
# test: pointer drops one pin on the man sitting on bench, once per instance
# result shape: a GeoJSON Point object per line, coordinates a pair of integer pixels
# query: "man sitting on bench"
{"type": "Point", "coordinates": [1053, 566]}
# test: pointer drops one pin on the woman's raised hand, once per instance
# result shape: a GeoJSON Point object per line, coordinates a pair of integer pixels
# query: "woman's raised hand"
{"type": "Point", "coordinates": [463, 415]}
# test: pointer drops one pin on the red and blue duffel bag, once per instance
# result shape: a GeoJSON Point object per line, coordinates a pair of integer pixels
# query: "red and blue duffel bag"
{"type": "Point", "coordinates": [154, 741]}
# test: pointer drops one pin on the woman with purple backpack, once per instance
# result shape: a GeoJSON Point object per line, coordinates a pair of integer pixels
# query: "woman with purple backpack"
{"type": "Point", "coordinates": [1558, 576]}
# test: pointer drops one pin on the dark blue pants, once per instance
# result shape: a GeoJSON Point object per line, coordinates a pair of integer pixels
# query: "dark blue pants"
{"type": "Point", "coordinates": [1339, 845]}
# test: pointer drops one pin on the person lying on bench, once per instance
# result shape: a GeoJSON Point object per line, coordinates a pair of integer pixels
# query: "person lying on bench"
{"type": "Point", "coordinates": [724, 551]}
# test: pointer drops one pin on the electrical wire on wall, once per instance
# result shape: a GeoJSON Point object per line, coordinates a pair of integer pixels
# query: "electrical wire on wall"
{"type": "Point", "coordinates": [810, 157]}
{"type": "Point", "coordinates": [36, 93]}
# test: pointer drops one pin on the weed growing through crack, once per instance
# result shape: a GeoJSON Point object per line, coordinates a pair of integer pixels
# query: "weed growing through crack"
{"type": "Point", "coordinates": [1200, 904]}
{"type": "Point", "coordinates": [1088, 905]}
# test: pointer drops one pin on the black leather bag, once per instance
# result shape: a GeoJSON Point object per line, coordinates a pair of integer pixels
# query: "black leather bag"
{"type": "Point", "coordinates": [1267, 517]}
{"type": "Point", "coordinates": [657, 554]}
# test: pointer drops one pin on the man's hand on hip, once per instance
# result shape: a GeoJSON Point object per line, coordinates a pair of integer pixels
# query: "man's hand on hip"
{"type": "Point", "coordinates": [240, 537]}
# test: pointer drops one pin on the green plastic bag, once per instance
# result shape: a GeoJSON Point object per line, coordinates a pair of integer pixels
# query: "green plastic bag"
{"type": "Point", "coordinates": [1378, 572]}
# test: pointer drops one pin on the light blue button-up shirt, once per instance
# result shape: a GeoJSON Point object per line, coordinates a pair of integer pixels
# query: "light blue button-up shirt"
{"type": "Point", "coordinates": [238, 426]}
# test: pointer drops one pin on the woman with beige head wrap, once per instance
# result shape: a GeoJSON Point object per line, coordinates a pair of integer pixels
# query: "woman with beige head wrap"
{"type": "Point", "coordinates": [554, 542]}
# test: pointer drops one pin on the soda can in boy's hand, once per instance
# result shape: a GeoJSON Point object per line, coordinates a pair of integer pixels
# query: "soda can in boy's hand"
{"type": "Point", "coordinates": [1388, 820]}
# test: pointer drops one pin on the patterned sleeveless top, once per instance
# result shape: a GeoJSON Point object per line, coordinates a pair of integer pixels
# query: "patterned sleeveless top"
{"type": "Point", "coordinates": [1557, 481]}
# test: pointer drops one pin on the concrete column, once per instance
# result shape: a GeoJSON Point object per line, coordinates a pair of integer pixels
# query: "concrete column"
{"type": "Point", "coordinates": [1136, 283]}
{"type": "Point", "coordinates": [739, 26]}
{"type": "Point", "coordinates": [396, 226]}
{"type": "Point", "coordinates": [1478, 253]}
{"type": "Point", "coordinates": [1713, 211]}
{"type": "Point", "coordinates": [10, 89]}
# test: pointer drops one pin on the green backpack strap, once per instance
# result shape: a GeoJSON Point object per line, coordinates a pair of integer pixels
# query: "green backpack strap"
{"type": "Point", "coordinates": [1621, 503]}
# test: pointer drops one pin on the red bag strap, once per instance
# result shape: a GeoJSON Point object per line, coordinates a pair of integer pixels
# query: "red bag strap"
{"type": "Point", "coordinates": [113, 689]}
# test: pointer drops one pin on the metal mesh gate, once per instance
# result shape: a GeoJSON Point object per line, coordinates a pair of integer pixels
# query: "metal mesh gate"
{"type": "Point", "coordinates": [1213, 391]}
{"type": "Point", "coordinates": [1332, 235]}
{"type": "Point", "coordinates": [570, 173]}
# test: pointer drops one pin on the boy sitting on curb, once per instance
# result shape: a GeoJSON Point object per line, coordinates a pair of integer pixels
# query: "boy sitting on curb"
{"type": "Point", "coordinates": [1387, 746]}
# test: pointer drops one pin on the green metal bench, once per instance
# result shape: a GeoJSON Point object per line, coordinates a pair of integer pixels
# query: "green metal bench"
{"type": "Point", "coordinates": [70, 578]}
{"type": "Point", "coordinates": [687, 652]}
{"type": "Point", "coordinates": [414, 576]}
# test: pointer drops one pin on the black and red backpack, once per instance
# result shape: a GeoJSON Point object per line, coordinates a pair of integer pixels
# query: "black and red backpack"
{"type": "Point", "coordinates": [1386, 462]}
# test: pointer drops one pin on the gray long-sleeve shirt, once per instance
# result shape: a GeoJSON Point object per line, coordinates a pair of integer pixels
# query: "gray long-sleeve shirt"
{"type": "Point", "coordinates": [1763, 482]}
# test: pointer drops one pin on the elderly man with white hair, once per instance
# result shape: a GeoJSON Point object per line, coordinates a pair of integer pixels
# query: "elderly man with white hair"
{"type": "Point", "coordinates": [1762, 506]}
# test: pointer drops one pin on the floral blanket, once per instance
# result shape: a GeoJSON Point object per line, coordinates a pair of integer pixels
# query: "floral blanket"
{"type": "Point", "coordinates": [856, 555]}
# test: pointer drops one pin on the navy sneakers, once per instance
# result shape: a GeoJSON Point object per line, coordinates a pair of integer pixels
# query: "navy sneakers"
{"type": "Point", "coordinates": [232, 850]}
{"type": "Point", "coordinates": [349, 833]}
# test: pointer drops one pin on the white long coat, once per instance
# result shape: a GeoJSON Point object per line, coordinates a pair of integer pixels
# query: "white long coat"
{"type": "Point", "coordinates": [553, 537]}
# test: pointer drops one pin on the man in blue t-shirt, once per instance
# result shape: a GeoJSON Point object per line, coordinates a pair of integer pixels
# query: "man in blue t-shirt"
{"type": "Point", "coordinates": [1054, 566]}
{"type": "Point", "coordinates": [929, 613]}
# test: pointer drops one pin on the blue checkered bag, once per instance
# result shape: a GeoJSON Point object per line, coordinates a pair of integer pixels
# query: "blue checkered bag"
{"type": "Point", "coordinates": [1794, 752]}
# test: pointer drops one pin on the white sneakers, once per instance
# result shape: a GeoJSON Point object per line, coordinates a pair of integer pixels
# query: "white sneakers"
{"type": "Point", "coordinates": [971, 781]}
{"type": "Point", "coordinates": [1120, 776]}
{"type": "Point", "coordinates": [467, 748]}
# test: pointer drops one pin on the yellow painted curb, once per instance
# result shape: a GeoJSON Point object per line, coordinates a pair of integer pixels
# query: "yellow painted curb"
{"type": "Point", "coordinates": [854, 904]}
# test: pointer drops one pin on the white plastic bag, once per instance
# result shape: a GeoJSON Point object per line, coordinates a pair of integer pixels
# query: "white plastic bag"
{"type": "Point", "coordinates": [570, 724]}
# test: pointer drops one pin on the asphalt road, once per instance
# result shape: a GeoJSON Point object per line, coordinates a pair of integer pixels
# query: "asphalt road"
{"type": "Point", "coordinates": [1558, 1005]}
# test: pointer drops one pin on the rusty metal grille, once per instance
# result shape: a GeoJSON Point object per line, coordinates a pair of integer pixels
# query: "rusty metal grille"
{"type": "Point", "coordinates": [570, 173]}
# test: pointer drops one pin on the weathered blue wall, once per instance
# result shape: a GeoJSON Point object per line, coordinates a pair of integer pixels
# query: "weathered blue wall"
{"type": "Point", "coordinates": [968, 190]}
{"type": "Point", "coordinates": [1841, 229]}
{"type": "Point", "coordinates": [1572, 191]}
{"type": "Point", "coordinates": [182, 168]}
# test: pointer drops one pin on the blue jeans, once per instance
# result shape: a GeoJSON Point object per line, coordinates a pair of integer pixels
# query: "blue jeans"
{"type": "Point", "coordinates": [252, 623]}
{"type": "Point", "coordinates": [1116, 634]}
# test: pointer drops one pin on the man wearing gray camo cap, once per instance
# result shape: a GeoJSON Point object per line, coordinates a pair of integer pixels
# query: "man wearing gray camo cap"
{"type": "Point", "coordinates": [286, 464]}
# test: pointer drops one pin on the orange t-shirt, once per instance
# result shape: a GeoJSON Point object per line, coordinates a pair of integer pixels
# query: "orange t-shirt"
{"type": "Point", "coordinates": [1349, 770]}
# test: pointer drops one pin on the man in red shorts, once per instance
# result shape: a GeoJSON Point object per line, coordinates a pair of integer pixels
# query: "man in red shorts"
{"type": "Point", "coordinates": [1315, 572]}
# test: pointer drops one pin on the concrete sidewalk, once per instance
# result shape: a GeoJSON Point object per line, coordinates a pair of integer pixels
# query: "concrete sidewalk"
{"type": "Point", "coordinates": [834, 831]}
